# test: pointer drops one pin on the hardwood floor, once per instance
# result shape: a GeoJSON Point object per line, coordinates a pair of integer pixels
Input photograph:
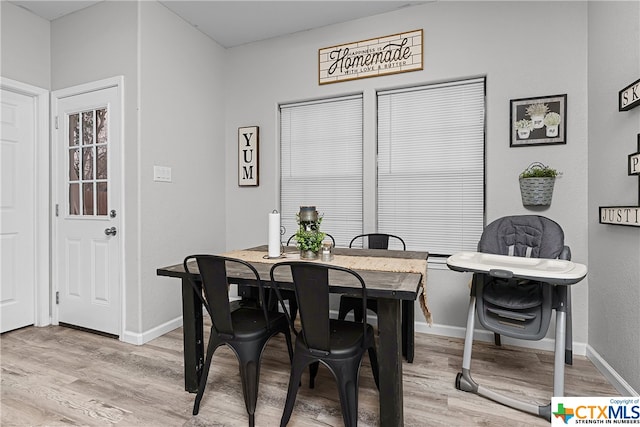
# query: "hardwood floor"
{"type": "Point", "coordinates": [60, 376]}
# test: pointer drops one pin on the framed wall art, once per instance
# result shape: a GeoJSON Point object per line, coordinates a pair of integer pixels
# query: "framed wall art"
{"type": "Point", "coordinates": [540, 120]}
{"type": "Point", "coordinates": [248, 159]}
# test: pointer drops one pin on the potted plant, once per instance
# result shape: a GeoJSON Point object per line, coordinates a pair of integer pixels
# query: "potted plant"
{"type": "Point", "coordinates": [524, 128]}
{"type": "Point", "coordinates": [536, 184]}
{"type": "Point", "coordinates": [552, 121]}
{"type": "Point", "coordinates": [308, 236]}
{"type": "Point", "coordinates": [537, 112]}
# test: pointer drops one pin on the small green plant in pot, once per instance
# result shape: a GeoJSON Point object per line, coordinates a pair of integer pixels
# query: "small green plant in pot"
{"type": "Point", "coordinates": [536, 184]}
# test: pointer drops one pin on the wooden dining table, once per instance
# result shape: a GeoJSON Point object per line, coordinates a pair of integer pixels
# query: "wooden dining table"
{"type": "Point", "coordinates": [390, 288]}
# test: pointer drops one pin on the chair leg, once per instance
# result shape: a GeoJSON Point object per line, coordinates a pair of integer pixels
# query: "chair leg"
{"type": "Point", "coordinates": [287, 337]}
{"type": "Point", "coordinates": [293, 308]}
{"type": "Point", "coordinates": [348, 390]}
{"type": "Point", "coordinates": [351, 303]}
{"type": "Point", "coordinates": [496, 339]}
{"type": "Point", "coordinates": [294, 383]}
{"type": "Point", "coordinates": [373, 359]}
{"type": "Point", "coordinates": [250, 377]}
{"type": "Point", "coordinates": [358, 315]}
{"type": "Point", "coordinates": [211, 348]}
{"type": "Point", "coordinates": [344, 308]}
{"type": "Point", "coordinates": [568, 352]}
{"type": "Point", "coordinates": [313, 372]}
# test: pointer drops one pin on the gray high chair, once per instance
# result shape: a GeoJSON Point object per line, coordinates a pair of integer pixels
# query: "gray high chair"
{"type": "Point", "coordinates": [518, 302]}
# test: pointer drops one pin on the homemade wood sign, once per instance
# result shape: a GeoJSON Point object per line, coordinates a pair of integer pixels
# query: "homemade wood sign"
{"type": "Point", "coordinates": [396, 53]}
{"type": "Point", "coordinates": [248, 156]}
{"type": "Point", "coordinates": [625, 215]}
{"type": "Point", "coordinates": [629, 97]}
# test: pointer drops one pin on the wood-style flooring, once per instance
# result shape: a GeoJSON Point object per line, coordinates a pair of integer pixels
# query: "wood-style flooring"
{"type": "Point", "coordinates": [56, 376]}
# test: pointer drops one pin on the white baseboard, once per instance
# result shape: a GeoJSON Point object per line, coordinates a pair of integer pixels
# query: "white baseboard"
{"type": "Point", "coordinates": [610, 374]}
{"type": "Point", "coordinates": [145, 337]}
{"type": "Point", "coordinates": [547, 344]}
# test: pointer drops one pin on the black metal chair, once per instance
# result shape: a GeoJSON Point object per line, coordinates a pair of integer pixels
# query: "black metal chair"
{"type": "Point", "coordinates": [337, 344]}
{"type": "Point", "coordinates": [288, 295]}
{"type": "Point", "coordinates": [246, 330]}
{"type": "Point", "coordinates": [348, 303]}
{"type": "Point", "coordinates": [378, 240]}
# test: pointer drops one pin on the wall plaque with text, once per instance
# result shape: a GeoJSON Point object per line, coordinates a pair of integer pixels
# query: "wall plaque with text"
{"type": "Point", "coordinates": [248, 159]}
{"type": "Point", "coordinates": [396, 53]}
{"type": "Point", "coordinates": [629, 97]}
{"type": "Point", "coordinates": [620, 215]}
{"type": "Point", "coordinates": [625, 215]}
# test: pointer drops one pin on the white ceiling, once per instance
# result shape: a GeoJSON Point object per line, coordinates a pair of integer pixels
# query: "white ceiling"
{"type": "Point", "coordinates": [233, 23]}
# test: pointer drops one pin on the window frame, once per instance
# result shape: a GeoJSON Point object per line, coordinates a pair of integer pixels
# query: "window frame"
{"type": "Point", "coordinates": [419, 87]}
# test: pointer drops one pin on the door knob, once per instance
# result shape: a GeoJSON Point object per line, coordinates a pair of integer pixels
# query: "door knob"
{"type": "Point", "coordinates": [110, 231]}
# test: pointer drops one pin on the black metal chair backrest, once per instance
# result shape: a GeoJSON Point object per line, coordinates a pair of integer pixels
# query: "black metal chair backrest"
{"type": "Point", "coordinates": [215, 287]}
{"type": "Point", "coordinates": [293, 237]}
{"type": "Point", "coordinates": [312, 288]}
{"type": "Point", "coordinates": [378, 240]}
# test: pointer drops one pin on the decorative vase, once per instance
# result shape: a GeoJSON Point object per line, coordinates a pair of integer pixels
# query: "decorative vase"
{"type": "Point", "coordinates": [308, 255]}
{"type": "Point", "coordinates": [552, 131]}
{"type": "Point", "coordinates": [309, 223]}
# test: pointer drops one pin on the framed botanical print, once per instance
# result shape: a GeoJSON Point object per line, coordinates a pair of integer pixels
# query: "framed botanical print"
{"type": "Point", "coordinates": [541, 120]}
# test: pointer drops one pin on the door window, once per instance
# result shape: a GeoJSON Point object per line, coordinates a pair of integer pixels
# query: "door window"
{"type": "Point", "coordinates": [88, 168]}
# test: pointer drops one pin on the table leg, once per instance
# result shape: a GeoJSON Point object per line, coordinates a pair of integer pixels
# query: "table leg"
{"type": "Point", "coordinates": [408, 329]}
{"type": "Point", "coordinates": [192, 336]}
{"type": "Point", "coordinates": [390, 362]}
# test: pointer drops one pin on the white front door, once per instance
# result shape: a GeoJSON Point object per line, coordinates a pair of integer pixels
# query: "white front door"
{"type": "Point", "coordinates": [17, 210]}
{"type": "Point", "coordinates": [87, 177]}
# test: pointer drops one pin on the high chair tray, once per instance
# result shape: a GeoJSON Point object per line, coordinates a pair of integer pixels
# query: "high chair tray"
{"type": "Point", "coordinates": [556, 271]}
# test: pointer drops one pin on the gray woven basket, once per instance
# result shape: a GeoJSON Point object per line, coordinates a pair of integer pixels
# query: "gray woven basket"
{"type": "Point", "coordinates": [536, 191]}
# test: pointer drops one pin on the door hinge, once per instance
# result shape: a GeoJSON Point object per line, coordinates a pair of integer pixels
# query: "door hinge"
{"type": "Point", "coordinates": [57, 297]}
{"type": "Point", "coordinates": [57, 210]}
{"type": "Point", "coordinates": [56, 122]}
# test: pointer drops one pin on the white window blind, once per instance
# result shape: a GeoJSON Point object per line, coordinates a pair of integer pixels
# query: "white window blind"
{"type": "Point", "coordinates": [321, 164]}
{"type": "Point", "coordinates": [431, 165]}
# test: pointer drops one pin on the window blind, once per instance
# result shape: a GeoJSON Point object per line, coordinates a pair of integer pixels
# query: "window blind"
{"type": "Point", "coordinates": [430, 173]}
{"type": "Point", "coordinates": [321, 164]}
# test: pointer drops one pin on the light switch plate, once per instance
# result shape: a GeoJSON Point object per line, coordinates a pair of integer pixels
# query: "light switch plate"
{"type": "Point", "coordinates": [162, 173]}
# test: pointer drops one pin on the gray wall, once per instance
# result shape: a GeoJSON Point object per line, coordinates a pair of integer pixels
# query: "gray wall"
{"type": "Point", "coordinates": [24, 46]}
{"type": "Point", "coordinates": [182, 126]}
{"type": "Point", "coordinates": [614, 251]}
{"type": "Point", "coordinates": [524, 48]}
{"type": "Point", "coordinates": [173, 117]}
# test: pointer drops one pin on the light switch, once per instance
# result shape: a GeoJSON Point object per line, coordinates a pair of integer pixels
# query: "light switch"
{"type": "Point", "coordinates": [162, 173]}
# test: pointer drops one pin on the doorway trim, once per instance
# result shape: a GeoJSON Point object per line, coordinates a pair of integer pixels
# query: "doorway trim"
{"type": "Point", "coordinates": [42, 229]}
{"type": "Point", "coordinates": [118, 82]}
